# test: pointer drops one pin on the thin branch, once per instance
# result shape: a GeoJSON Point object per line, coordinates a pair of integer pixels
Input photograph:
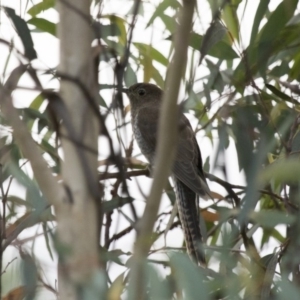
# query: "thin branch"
{"type": "Point", "coordinates": [128, 175]}
{"type": "Point", "coordinates": [119, 235]}
{"type": "Point", "coordinates": [4, 271]}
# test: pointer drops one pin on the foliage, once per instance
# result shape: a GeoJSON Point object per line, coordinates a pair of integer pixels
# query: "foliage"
{"type": "Point", "coordinates": [248, 98]}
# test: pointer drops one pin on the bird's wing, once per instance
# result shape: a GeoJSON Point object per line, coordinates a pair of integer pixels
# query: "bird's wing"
{"type": "Point", "coordinates": [188, 163]}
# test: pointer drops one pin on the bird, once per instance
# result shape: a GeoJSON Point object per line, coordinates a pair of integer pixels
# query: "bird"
{"type": "Point", "coordinates": [187, 171]}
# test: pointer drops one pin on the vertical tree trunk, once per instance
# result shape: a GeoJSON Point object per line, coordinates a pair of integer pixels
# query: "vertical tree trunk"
{"type": "Point", "coordinates": [78, 236]}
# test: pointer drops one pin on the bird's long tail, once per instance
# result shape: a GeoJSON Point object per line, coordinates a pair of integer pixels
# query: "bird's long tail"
{"type": "Point", "coordinates": [189, 217]}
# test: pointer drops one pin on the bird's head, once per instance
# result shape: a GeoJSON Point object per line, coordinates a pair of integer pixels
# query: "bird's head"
{"type": "Point", "coordinates": [141, 94]}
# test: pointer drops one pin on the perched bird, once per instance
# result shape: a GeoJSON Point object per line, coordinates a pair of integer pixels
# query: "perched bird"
{"type": "Point", "coordinates": [145, 100]}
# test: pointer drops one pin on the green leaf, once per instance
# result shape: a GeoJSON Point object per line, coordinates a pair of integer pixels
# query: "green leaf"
{"type": "Point", "coordinates": [43, 25]}
{"type": "Point", "coordinates": [242, 128]}
{"type": "Point", "coordinates": [260, 12]}
{"type": "Point", "coordinates": [101, 101]}
{"type": "Point", "coordinates": [156, 75]}
{"type": "Point", "coordinates": [114, 255]}
{"type": "Point", "coordinates": [188, 277]}
{"type": "Point", "coordinates": [130, 76]}
{"type": "Point", "coordinates": [278, 19]}
{"type": "Point", "coordinates": [23, 32]}
{"type": "Point", "coordinates": [223, 136]}
{"type": "Point", "coordinates": [117, 202]}
{"type": "Point", "coordinates": [37, 102]}
{"type": "Point", "coordinates": [114, 47]}
{"type": "Point", "coordinates": [151, 52]}
{"type": "Point", "coordinates": [220, 50]}
{"type": "Point", "coordinates": [158, 12]}
{"type": "Point", "coordinates": [146, 62]}
{"type": "Point", "coordinates": [280, 70]}
{"type": "Point", "coordinates": [287, 290]}
{"type": "Point", "coordinates": [214, 34]}
{"type": "Point", "coordinates": [18, 201]}
{"type": "Point", "coordinates": [48, 148]}
{"type": "Point", "coordinates": [269, 275]}
{"type": "Point", "coordinates": [271, 218]}
{"type": "Point", "coordinates": [41, 7]}
{"type": "Point", "coordinates": [296, 143]}
{"type": "Point", "coordinates": [158, 288]}
{"type": "Point", "coordinates": [230, 18]}
{"type": "Point", "coordinates": [283, 170]}
{"type": "Point", "coordinates": [243, 73]}
{"type": "Point", "coordinates": [169, 22]}
{"type": "Point", "coordinates": [295, 70]}
{"type": "Point", "coordinates": [46, 236]}
{"type": "Point", "coordinates": [104, 31]}
{"type": "Point", "coordinates": [207, 95]}
{"type": "Point", "coordinates": [268, 233]}
{"type": "Point", "coordinates": [277, 92]}
{"type": "Point", "coordinates": [116, 28]}
{"type": "Point", "coordinates": [29, 275]}
{"type": "Point", "coordinates": [140, 10]}
{"type": "Point", "coordinates": [215, 6]}
{"type": "Point", "coordinates": [30, 113]}
{"type": "Point", "coordinates": [215, 80]}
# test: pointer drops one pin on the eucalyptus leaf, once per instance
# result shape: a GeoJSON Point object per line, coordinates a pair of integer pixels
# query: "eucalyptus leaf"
{"type": "Point", "coordinates": [41, 7]}
{"type": "Point", "coordinates": [116, 202]}
{"type": "Point", "coordinates": [22, 29]}
{"type": "Point", "coordinates": [189, 277]}
{"type": "Point", "coordinates": [284, 170]}
{"type": "Point", "coordinates": [272, 218]}
{"type": "Point", "coordinates": [43, 25]}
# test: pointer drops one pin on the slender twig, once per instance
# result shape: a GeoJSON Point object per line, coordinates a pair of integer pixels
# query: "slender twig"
{"type": "Point", "coordinates": [4, 271]}
{"type": "Point", "coordinates": [107, 228]}
{"type": "Point", "coordinates": [47, 286]}
{"type": "Point", "coordinates": [119, 235]}
{"type": "Point", "coordinates": [128, 175]}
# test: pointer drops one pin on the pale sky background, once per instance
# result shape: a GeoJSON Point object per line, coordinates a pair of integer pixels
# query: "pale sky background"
{"type": "Point", "coordinates": [48, 57]}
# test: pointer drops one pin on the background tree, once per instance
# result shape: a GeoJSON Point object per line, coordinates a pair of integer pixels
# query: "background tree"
{"type": "Point", "coordinates": [68, 156]}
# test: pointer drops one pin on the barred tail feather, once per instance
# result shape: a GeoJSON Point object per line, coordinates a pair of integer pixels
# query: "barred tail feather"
{"type": "Point", "coordinates": [189, 217]}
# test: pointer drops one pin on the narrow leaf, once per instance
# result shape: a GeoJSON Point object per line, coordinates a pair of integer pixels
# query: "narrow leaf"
{"type": "Point", "coordinates": [261, 10]}
{"type": "Point", "coordinates": [43, 25]}
{"type": "Point", "coordinates": [269, 274]}
{"type": "Point", "coordinates": [230, 18]}
{"type": "Point", "coordinates": [148, 50]}
{"type": "Point", "coordinates": [277, 92]}
{"type": "Point", "coordinates": [41, 7]}
{"type": "Point", "coordinates": [188, 277]}
{"type": "Point", "coordinates": [23, 32]}
{"type": "Point", "coordinates": [116, 202]}
{"type": "Point", "coordinates": [214, 34]}
{"type": "Point", "coordinates": [271, 218]}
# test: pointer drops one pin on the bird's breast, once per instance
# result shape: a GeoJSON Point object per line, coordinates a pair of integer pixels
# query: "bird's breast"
{"type": "Point", "coordinates": [147, 148]}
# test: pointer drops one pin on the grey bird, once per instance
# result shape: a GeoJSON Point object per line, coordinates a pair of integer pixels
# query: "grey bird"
{"type": "Point", "coordinates": [145, 100]}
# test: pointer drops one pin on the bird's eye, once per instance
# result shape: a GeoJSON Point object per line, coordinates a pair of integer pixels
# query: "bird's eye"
{"type": "Point", "coordinates": [141, 92]}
